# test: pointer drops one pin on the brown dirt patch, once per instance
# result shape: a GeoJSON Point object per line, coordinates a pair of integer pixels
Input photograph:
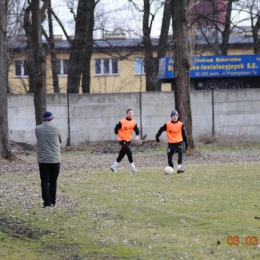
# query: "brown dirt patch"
{"type": "Point", "coordinates": [99, 156]}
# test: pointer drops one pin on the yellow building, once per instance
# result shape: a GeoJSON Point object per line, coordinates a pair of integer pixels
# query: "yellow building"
{"type": "Point", "coordinates": [117, 64]}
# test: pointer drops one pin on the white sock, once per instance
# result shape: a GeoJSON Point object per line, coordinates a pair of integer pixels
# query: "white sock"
{"type": "Point", "coordinates": [132, 166]}
{"type": "Point", "coordinates": [114, 164]}
{"type": "Point", "coordinates": [179, 166]}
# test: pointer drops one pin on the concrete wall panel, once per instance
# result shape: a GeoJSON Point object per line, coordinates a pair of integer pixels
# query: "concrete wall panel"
{"type": "Point", "coordinates": [93, 117]}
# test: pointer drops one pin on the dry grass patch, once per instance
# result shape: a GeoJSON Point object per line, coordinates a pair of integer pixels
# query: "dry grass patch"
{"type": "Point", "coordinates": [145, 215]}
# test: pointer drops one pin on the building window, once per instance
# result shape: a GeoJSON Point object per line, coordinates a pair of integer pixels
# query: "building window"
{"type": "Point", "coordinates": [62, 67]}
{"type": "Point", "coordinates": [21, 69]}
{"type": "Point", "coordinates": [139, 66]}
{"type": "Point", "coordinates": [106, 67]}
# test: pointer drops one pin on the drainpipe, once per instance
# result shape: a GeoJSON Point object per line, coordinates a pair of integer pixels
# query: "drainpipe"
{"type": "Point", "coordinates": [68, 103]}
{"type": "Point", "coordinates": [141, 121]}
{"type": "Point", "coordinates": [213, 114]}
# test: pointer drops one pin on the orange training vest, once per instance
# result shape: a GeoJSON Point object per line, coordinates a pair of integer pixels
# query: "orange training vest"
{"type": "Point", "coordinates": [125, 132]}
{"type": "Point", "coordinates": [174, 132]}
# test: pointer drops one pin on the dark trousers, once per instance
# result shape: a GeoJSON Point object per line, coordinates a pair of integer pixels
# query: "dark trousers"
{"type": "Point", "coordinates": [125, 150]}
{"type": "Point", "coordinates": [172, 148]}
{"type": "Point", "coordinates": [49, 173]}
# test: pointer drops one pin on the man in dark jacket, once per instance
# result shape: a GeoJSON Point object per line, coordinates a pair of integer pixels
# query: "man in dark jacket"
{"type": "Point", "coordinates": [49, 138]}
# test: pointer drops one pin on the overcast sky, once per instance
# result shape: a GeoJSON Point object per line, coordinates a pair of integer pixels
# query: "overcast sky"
{"type": "Point", "coordinates": [111, 14]}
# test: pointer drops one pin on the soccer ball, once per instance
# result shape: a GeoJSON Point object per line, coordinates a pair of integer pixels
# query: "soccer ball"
{"type": "Point", "coordinates": [168, 170]}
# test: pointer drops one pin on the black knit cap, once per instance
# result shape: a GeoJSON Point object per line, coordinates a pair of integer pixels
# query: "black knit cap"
{"type": "Point", "coordinates": [174, 112]}
{"type": "Point", "coordinates": [47, 116]}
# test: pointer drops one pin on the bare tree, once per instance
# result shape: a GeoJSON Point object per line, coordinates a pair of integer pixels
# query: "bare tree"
{"type": "Point", "coordinates": [252, 10]}
{"type": "Point", "coordinates": [182, 65]}
{"type": "Point", "coordinates": [28, 28]}
{"type": "Point", "coordinates": [15, 30]}
{"type": "Point", "coordinates": [81, 48]}
{"type": "Point", "coordinates": [36, 62]}
{"type": "Point", "coordinates": [211, 20]}
{"type": "Point", "coordinates": [5, 147]}
{"type": "Point", "coordinates": [255, 30]}
{"type": "Point", "coordinates": [52, 50]}
{"type": "Point", "coordinates": [29, 49]}
{"type": "Point", "coordinates": [163, 40]}
{"type": "Point", "coordinates": [83, 41]}
{"type": "Point", "coordinates": [87, 52]}
{"type": "Point", "coordinates": [151, 63]}
{"type": "Point", "coordinates": [227, 29]}
{"type": "Point", "coordinates": [39, 62]}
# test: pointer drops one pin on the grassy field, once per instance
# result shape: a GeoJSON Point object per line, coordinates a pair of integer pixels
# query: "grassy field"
{"type": "Point", "coordinates": [210, 212]}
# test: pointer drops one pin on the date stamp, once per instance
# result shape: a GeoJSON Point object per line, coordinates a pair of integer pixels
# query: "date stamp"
{"type": "Point", "coordinates": [236, 240]}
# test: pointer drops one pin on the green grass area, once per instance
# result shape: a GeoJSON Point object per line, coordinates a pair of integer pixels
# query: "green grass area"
{"type": "Point", "coordinates": [216, 147]}
{"type": "Point", "coordinates": [145, 215]}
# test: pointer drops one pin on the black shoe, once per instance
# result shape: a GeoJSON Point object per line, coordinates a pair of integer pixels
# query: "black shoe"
{"type": "Point", "coordinates": [180, 170]}
{"type": "Point", "coordinates": [47, 205]}
{"type": "Point", "coordinates": [51, 205]}
{"type": "Point", "coordinates": [113, 169]}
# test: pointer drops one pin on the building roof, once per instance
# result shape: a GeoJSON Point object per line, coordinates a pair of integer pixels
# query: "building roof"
{"type": "Point", "coordinates": [130, 43]}
{"type": "Point", "coordinates": [98, 44]}
{"type": "Point", "coordinates": [233, 40]}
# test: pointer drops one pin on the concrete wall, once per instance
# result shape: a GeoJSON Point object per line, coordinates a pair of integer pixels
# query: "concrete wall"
{"type": "Point", "coordinates": [21, 116]}
{"type": "Point", "coordinates": [237, 113]}
{"type": "Point", "coordinates": [92, 117]}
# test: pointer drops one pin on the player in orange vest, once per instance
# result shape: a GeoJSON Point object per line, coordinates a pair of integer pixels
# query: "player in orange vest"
{"type": "Point", "coordinates": [175, 133]}
{"type": "Point", "coordinates": [123, 131]}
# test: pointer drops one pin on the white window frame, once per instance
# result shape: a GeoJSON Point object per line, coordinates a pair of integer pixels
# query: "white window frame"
{"type": "Point", "coordinates": [61, 70]}
{"type": "Point", "coordinates": [110, 67]}
{"type": "Point", "coordinates": [22, 70]}
{"type": "Point", "coordinates": [139, 66]}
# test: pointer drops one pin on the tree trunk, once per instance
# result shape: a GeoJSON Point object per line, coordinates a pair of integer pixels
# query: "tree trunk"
{"type": "Point", "coordinates": [149, 61]}
{"type": "Point", "coordinates": [255, 29]}
{"type": "Point", "coordinates": [226, 32]}
{"type": "Point", "coordinates": [51, 42]}
{"type": "Point", "coordinates": [39, 63]}
{"type": "Point", "coordinates": [87, 53]}
{"type": "Point", "coordinates": [215, 14]}
{"type": "Point", "coordinates": [76, 53]}
{"type": "Point", "coordinates": [75, 63]}
{"type": "Point", "coordinates": [5, 147]}
{"type": "Point", "coordinates": [29, 50]}
{"type": "Point", "coordinates": [163, 40]}
{"type": "Point", "coordinates": [182, 66]}
{"type": "Point", "coordinates": [86, 79]}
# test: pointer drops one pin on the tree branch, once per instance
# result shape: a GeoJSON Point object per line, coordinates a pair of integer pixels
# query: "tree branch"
{"type": "Point", "coordinates": [62, 27]}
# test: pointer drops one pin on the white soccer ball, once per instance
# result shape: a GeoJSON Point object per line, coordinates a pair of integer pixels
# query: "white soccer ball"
{"type": "Point", "coordinates": [168, 170]}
